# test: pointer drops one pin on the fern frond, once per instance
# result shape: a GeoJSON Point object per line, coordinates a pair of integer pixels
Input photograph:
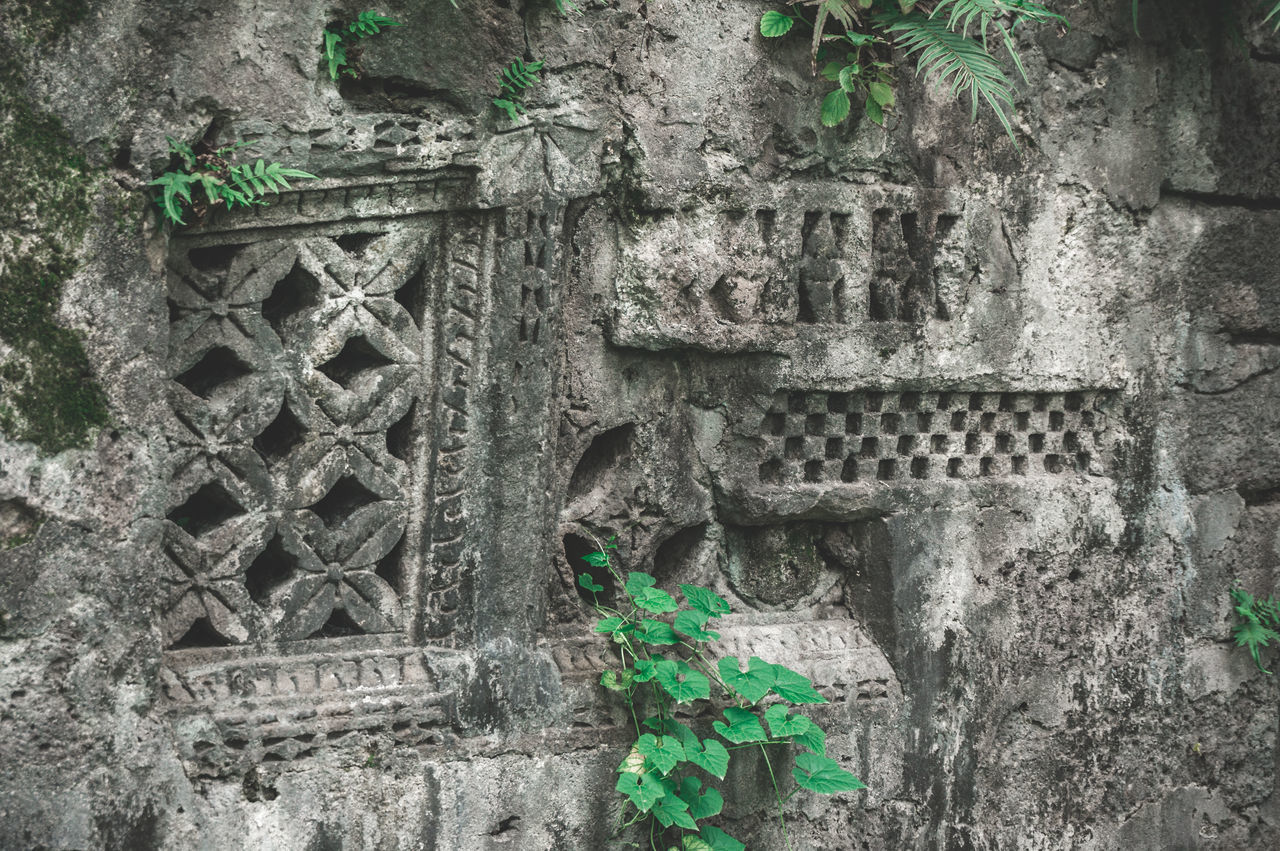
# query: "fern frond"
{"type": "Point", "coordinates": [371, 23]}
{"type": "Point", "coordinates": [950, 57]}
{"type": "Point", "coordinates": [519, 76]}
{"type": "Point", "coordinates": [334, 53]}
{"type": "Point", "coordinates": [173, 185]}
{"type": "Point", "coordinates": [183, 150]}
{"type": "Point", "coordinates": [513, 108]}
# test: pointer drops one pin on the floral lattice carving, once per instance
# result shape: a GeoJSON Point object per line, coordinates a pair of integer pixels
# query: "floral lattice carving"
{"type": "Point", "coordinates": [290, 362]}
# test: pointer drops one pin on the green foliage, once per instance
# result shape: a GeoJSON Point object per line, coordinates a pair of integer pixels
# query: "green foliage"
{"type": "Point", "coordinates": [513, 81]}
{"type": "Point", "coordinates": [1257, 623]}
{"type": "Point", "coordinates": [952, 39]}
{"type": "Point", "coordinates": [339, 36]}
{"type": "Point", "coordinates": [665, 666]}
{"type": "Point", "coordinates": [219, 182]}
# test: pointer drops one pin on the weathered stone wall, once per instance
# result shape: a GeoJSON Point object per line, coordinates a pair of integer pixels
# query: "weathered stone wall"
{"type": "Point", "coordinates": [976, 437]}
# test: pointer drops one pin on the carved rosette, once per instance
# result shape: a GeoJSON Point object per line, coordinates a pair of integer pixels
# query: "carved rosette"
{"type": "Point", "coordinates": [291, 361]}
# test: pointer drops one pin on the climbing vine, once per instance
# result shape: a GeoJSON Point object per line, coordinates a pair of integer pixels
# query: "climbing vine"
{"type": "Point", "coordinates": [663, 646]}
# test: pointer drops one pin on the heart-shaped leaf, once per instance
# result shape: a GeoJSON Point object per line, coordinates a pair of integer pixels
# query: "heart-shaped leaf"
{"type": "Point", "coordinates": [794, 687]}
{"type": "Point", "coordinates": [743, 726]}
{"type": "Point", "coordinates": [682, 682]}
{"type": "Point", "coordinates": [704, 600]}
{"type": "Point", "coordinates": [709, 755]}
{"type": "Point", "coordinates": [823, 775]}
{"type": "Point", "coordinates": [691, 621]}
{"type": "Point", "coordinates": [752, 684]}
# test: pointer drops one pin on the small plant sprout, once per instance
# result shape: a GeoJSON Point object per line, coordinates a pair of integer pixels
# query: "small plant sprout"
{"type": "Point", "coordinates": [208, 180]}
{"type": "Point", "coordinates": [513, 81]}
{"type": "Point", "coordinates": [1257, 623]}
{"type": "Point", "coordinates": [338, 37]}
{"type": "Point", "coordinates": [663, 644]}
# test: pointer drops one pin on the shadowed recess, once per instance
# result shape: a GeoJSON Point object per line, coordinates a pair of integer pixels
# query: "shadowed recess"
{"type": "Point", "coordinates": [606, 451]}
{"type": "Point", "coordinates": [294, 293]}
{"type": "Point", "coordinates": [201, 634]}
{"type": "Point", "coordinates": [400, 436]}
{"type": "Point", "coordinates": [357, 357]}
{"type": "Point", "coordinates": [213, 258]}
{"type": "Point", "coordinates": [575, 548]}
{"type": "Point", "coordinates": [346, 497]}
{"type": "Point", "coordinates": [218, 367]}
{"type": "Point", "coordinates": [206, 509]}
{"type": "Point", "coordinates": [338, 625]}
{"type": "Point", "coordinates": [269, 570]}
{"type": "Point", "coordinates": [391, 566]}
{"type": "Point", "coordinates": [279, 438]}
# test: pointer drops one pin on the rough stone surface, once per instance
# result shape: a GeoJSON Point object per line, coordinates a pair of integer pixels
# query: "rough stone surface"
{"type": "Point", "coordinates": [977, 438]}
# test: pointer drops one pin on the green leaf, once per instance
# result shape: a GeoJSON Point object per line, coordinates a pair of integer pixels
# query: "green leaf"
{"type": "Point", "coordinates": [682, 682]}
{"type": "Point", "coordinates": [662, 752]}
{"type": "Point", "coordinates": [720, 841]}
{"type": "Point", "coordinates": [671, 810]}
{"type": "Point", "coordinates": [638, 581]}
{"type": "Point", "coordinates": [693, 842]}
{"type": "Point", "coordinates": [831, 71]}
{"type": "Point", "coordinates": [874, 112]}
{"type": "Point", "coordinates": [596, 559]}
{"type": "Point", "coordinates": [656, 632]}
{"type": "Point", "coordinates": [644, 790]}
{"type": "Point", "coordinates": [743, 726]}
{"type": "Point", "coordinates": [298, 173]}
{"type": "Point", "coordinates": [654, 600]}
{"type": "Point", "coordinates": [783, 724]}
{"type": "Point", "coordinates": [609, 625]}
{"type": "Point", "coordinates": [512, 110]}
{"type": "Point", "coordinates": [701, 804]}
{"type": "Point", "coordinates": [645, 670]}
{"type": "Point", "coordinates": [585, 580]}
{"type": "Point", "coordinates": [690, 621]}
{"type": "Point", "coordinates": [881, 94]}
{"type": "Point", "coordinates": [774, 24]}
{"type": "Point", "coordinates": [815, 739]}
{"type": "Point", "coordinates": [846, 78]}
{"type": "Point", "coordinates": [705, 600]}
{"type": "Point", "coordinates": [1254, 635]}
{"type": "Point", "coordinates": [791, 686]}
{"type": "Point", "coordinates": [672, 727]}
{"type": "Point", "coordinates": [835, 107]}
{"type": "Point", "coordinates": [825, 776]}
{"type": "Point", "coordinates": [752, 684]}
{"type": "Point", "coordinates": [954, 59]}
{"type": "Point", "coordinates": [709, 755]}
{"type": "Point", "coordinates": [614, 681]}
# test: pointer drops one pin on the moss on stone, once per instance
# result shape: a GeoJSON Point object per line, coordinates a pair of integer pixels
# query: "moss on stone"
{"type": "Point", "coordinates": [47, 392]}
{"type": "Point", "coordinates": [43, 20]}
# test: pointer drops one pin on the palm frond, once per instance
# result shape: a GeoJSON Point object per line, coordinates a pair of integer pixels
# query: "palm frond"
{"type": "Point", "coordinates": [954, 59]}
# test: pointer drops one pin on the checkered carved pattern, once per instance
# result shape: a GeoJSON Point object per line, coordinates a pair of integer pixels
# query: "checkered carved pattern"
{"type": "Point", "coordinates": [886, 436]}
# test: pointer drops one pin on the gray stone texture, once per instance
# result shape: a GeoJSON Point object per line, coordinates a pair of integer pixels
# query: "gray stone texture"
{"type": "Point", "coordinates": [978, 438]}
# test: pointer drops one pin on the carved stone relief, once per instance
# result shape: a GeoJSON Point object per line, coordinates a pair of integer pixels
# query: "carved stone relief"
{"type": "Point", "coordinates": [322, 388]}
{"type": "Point", "coordinates": [754, 278]}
